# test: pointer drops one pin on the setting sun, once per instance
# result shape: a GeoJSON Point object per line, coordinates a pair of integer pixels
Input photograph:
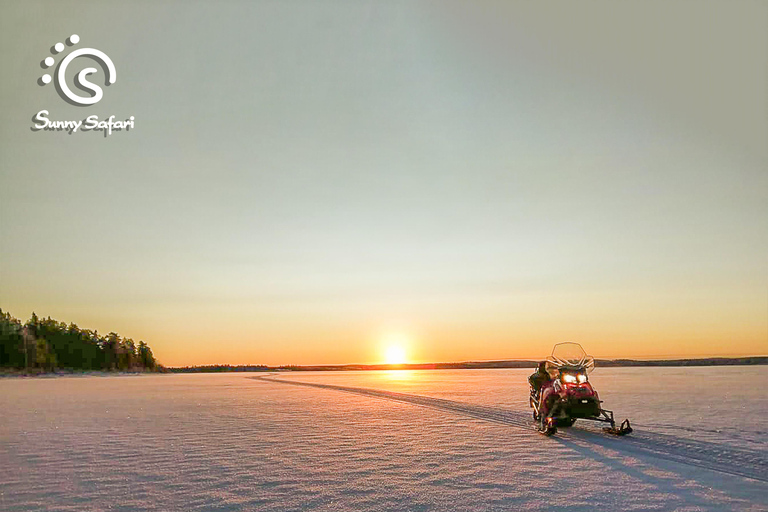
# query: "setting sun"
{"type": "Point", "coordinates": [395, 354]}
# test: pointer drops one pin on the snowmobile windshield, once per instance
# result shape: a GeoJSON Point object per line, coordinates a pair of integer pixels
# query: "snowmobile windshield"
{"type": "Point", "coordinates": [570, 358]}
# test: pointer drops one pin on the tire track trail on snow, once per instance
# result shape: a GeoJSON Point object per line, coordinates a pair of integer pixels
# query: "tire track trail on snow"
{"type": "Point", "coordinates": [716, 457]}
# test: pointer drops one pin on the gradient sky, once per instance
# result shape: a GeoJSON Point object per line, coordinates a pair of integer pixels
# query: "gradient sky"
{"type": "Point", "coordinates": [310, 180]}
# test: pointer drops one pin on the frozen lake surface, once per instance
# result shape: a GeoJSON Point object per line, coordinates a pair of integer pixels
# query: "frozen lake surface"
{"type": "Point", "coordinates": [400, 440]}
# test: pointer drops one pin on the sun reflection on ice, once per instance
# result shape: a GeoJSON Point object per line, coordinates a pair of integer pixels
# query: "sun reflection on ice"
{"type": "Point", "coordinates": [398, 375]}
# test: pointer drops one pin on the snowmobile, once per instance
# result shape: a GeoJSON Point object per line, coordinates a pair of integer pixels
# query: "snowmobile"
{"type": "Point", "coordinates": [569, 396]}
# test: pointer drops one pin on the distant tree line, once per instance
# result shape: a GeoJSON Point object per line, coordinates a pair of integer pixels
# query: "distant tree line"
{"type": "Point", "coordinates": [713, 361]}
{"type": "Point", "coordinates": [707, 361]}
{"type": "Point", "coordinates": [216, 368]}
{"type": "Point", "coordinates": [47, 345]}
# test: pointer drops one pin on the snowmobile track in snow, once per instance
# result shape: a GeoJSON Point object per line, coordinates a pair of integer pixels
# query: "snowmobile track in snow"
{"type": "Point", "coordinates": [716, 457]}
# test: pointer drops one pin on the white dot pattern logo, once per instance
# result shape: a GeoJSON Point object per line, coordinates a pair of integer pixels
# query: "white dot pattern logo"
{"type": "Point", "coordinates": [81, 79]}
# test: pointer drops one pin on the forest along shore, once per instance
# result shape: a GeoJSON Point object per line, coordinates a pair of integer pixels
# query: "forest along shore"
{"type": "Point", "coordinates": [42, 346]}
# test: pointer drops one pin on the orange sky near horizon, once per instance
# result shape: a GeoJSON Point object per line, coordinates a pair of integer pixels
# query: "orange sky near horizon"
{"type": "Point", "coordinates": [432, 334]}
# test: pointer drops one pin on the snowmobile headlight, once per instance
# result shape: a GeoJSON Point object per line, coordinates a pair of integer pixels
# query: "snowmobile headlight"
{"type": "Point", "coordinates": [582, 378]}
{"type": "Point", "coordinates": [569, 378]}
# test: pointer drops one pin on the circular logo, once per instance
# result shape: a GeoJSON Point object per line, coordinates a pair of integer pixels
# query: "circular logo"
{"type": "Point", "coordinates": [81, 80]}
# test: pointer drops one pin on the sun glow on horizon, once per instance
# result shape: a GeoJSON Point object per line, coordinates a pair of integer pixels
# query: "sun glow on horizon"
{"type": "Point", "coordinates": [394, 348]}
{"type": "Point", "coordinates": [395, 354]}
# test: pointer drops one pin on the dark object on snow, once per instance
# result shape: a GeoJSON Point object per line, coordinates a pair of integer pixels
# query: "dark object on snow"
{"type": "Point", "coordinates": [569, 396]}
{"type": "Point", "coordinates": [538, 379]}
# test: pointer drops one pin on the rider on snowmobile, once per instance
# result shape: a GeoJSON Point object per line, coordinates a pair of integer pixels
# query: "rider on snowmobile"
{"type": "Point", "coordinates": [539, 378]}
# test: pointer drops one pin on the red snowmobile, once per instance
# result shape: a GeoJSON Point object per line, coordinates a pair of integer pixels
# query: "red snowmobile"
{"type": "Point", "coordinates": [568, 395]}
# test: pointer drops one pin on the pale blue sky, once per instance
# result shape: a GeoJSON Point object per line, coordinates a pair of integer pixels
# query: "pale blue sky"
{"type": "Point", "coordinates": [305, 177]}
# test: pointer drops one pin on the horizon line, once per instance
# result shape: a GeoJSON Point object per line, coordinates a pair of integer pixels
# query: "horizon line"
{"type": "Point", "coordinates": [469, 362]}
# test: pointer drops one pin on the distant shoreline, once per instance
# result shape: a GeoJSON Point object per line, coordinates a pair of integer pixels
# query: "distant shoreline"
{"type": "Point", "coordinates": [470, 365]}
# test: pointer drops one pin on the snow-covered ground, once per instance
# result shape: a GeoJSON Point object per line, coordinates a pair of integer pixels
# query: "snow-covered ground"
{"type": "Point", "coordinates": [421, 440]}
